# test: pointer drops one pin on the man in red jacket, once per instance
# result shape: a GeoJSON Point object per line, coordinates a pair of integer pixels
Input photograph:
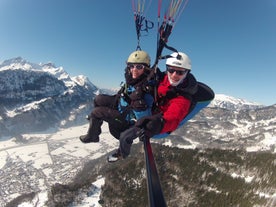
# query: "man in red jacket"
{"type": "Point", "coordinates": [175, 89]}
{"type": "Point", "coordinates": [174, 100]}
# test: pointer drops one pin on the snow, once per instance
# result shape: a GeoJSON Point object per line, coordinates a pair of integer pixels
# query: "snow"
{"type": "Point", "coordinates": [39, 201]}
{"type": "Point", "coordinates": [191, 145]}
{"type": "Point", "coordinates": [30, 153]}
{"type": "Point", "coordinates": [247, 179]}
{"type": "Point", "coordinates": [92, 198]}
{"type": "Point", "coordinates": [233, 100]}
{"type": "Point", "coordinates": [81, 79]}
{"type": "Point", "coordinates": [229, 102]}
{"type": "Point", "coordinates": [266, 144]}
{"type": "Point", "coordinates": [38, 154]}
{"type": "Point", "coordinates": [28, 107]}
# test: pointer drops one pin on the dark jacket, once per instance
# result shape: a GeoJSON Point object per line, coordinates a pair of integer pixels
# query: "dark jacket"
{"type": "Point", "coordinates": [135, 97]}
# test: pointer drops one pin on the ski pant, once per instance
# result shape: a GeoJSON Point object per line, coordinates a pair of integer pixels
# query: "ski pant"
{"type": "Point", "coordinates": [105, 109]}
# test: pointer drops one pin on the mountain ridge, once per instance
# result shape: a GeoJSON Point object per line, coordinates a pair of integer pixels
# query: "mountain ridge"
{"type": "Point", "coordinates": [58, 99]}
{"type": "Point", "coordinates": [50, 97]}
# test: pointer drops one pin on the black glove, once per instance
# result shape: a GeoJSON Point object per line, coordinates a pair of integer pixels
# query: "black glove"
{"type": "Point", "coordinates": [152, 125]}
{"type": "Point", "coordinates": [126, 140]}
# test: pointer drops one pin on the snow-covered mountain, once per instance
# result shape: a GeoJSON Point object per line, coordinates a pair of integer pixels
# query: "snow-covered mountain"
{"type": "Point", "coordinates": [35, 97]}
{"type": "Point", "coordinates": [38, 103]}
{"type": "Point", "coordinates": [229, 102]}
{"type": "Point", "coordinates": [215, 127]}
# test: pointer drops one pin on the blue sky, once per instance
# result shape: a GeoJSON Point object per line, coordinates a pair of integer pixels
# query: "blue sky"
{"type": "Point", "coordinates": [232, 43]}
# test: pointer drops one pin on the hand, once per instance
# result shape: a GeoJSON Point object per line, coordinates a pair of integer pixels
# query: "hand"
{"type": "Point", "coordinates": [141, 134]}
{"type": "Point", "coordinates": [151, 124]}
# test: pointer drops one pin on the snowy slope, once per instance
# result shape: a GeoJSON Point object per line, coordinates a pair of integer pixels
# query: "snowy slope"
{"type": "Point", "coordinates": [229, 102]}
{"type": "Point", "coordinates": [42, 95]}
{"type": "Point", "coordinates": [45, 159]}
{"type": "Point", "coordinates": [48, 158]}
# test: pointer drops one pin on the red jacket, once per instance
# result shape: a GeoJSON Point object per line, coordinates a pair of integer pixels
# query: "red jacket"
{"type": "Point", "coordinates": [174, 110]}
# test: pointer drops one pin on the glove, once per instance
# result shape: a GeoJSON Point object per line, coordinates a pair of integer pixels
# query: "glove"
{"type": "Point", "coordinates": [152, 125]}
{"type": "Point", "coordinates": [126, 140]}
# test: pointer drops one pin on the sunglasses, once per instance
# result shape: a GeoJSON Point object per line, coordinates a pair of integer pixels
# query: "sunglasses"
{"type": "Point", "coordinates": [178, 72]}
{"type": "Point", "coordinates": [137, 66]}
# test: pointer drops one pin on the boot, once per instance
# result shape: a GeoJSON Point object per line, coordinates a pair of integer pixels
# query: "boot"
{"type": "Point", "coordinates": [94, 131]}
{"type": "Point", "coordinates": [115, 156]}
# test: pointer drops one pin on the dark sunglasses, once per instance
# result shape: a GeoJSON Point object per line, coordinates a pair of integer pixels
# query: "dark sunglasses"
{"type": "Point", "coordinates": [178, 72]}
{"type": "Point", "coordinates": [137, 66]}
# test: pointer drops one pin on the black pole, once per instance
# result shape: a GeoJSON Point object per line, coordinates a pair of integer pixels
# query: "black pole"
{"type": "Point", "coordinates": [155, 193]}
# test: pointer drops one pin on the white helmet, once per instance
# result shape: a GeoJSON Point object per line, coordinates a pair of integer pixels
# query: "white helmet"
{"type": "Point", "coordinates": [180, 60]}
{"type": "Point", "coordinates": [139, 56]}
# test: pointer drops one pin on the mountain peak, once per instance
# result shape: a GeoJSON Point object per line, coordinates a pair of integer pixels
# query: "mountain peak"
{"type": "Point", "coordinates": [48, 65]}
{"type": "Point", "coordinates": [18, 63]}
{"type": "Point", "coordinates": [225, 101]}
{"type": "Point", "coordinates": [12, 61]}
{"type": "Point", "coordinates": [81, 79]}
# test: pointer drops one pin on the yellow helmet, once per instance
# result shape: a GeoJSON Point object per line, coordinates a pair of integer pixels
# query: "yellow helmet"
{"type": "Point", "coordinates": [139, 56]}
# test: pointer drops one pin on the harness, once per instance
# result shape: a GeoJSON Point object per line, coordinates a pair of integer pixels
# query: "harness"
{"type": "Point", "coordinates": [133, 102]}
